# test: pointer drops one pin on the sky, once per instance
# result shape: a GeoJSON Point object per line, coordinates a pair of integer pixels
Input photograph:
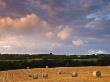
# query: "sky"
{"type": "Point", "coordinates": [57, 26]}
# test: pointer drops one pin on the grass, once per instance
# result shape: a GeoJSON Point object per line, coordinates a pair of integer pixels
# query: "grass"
{"type": "Point", "coordinates": [86, 59]}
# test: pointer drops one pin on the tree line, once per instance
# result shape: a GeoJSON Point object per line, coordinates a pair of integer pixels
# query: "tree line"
{"type": "Point", "coordinates": [17, 61]}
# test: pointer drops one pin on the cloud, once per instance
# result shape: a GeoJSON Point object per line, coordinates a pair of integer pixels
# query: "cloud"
{"type": "Point", "coordinates": [60, 11]}
{"type": "Point", "coordinates": [96, 24]}
{"type": "Point", "coordinates": [31, 25]}
{"type": "Point", "coordinates": [64, 33]}
{"type": "Point", "coordinates": [49, 34]}
{"type": "Point", "coordinates": [23, 34]}
{"type": "Point", "coordinates": [6, 42]}
{"type": "Point", "coordinates": [97, 51]}
{"type": "Point", "coordinates": [5, 46]}
{"type": "Point", "coordinates": [23, 23]}
{"type": "Point", "coordinates": [2, 4]}
{"type": "Point", "coordinates": [52, 10]}
{"type": "Point", "coordinates": [100, 14]}
{"type": "Point", "coordinates": [77, 42]}
{"type": "Point", "coordinates": [23, 44]}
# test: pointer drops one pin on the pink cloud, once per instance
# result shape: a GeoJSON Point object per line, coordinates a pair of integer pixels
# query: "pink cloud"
{"type": "Point", "coordinates": [2, 4]}
{"type": "Point", "coordinates": [49, 34]}
{"type": "Point", "coordinates": [23, 23]}
{"type": "Point", "coordinates": [77, 42]}
{"type": "Point", "coordinates": [64, 33]}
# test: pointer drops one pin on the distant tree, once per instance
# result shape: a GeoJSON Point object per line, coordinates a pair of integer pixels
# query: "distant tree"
{"type": "Point", "coordinates": [103, 60]}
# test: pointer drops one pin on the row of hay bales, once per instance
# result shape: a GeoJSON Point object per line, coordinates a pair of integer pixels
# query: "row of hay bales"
{"type": "Point", "coordinates": [74, 74]}
{"type": "Point", "coordinates": [95, 74]}
{"type": "Point", "coordinates": [35, 76]}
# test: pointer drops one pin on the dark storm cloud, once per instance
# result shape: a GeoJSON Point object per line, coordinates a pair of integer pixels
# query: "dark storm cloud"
{"type": "Point", "coordinates": [62, 10]}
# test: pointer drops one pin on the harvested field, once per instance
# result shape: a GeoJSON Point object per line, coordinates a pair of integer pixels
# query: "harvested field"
{"type": "Point", "coordinates": [85, 74]}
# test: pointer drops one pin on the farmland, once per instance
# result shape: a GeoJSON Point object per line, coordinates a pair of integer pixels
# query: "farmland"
{"type": "Point", "coordinates": [84, 74]}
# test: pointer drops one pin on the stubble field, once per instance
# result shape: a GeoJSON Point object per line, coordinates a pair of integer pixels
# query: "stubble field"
{"type": "Point", "coordinates": [84, 74]}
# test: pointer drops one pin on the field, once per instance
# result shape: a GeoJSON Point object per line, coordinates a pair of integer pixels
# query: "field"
{"type": "Point", "coordinates": [84, 74]}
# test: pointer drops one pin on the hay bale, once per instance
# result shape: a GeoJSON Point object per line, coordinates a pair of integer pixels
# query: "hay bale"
{"type": "Point", "coordinates": [30, 74]}
{"type": "Point", "coordinates": [28, 68]}
{"type": "Point", "coordinates": [47, 67]}
{"type": "Point", "coordinates": [59, 72]}
{"type": "Point", "coordinates": [35, 76]}
{"type": "Point", "coordinates": [45, 75]}
{"type": "Point", "coordinates": [97, 74]}
{"type": "Point", "coordinates": [74, 74]}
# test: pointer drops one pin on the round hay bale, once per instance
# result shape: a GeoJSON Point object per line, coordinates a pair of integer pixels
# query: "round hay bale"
{"type": "Point", "coordinates": [74, 74]}
{"type": "Point", "coordinates": [97, 74]}
{"type": "Point", "coordinates": [28, 68]}
{"type": "Point", "coordinates": [30, 74]}
{"type": "Point", "coordinates": [59, 72]}
{"type": "Point", "coordinates": [47, 67]}
{"type": "Point", "coordinates": [35, 76]}
{"type": "Point", "coordinates": [45, 75]}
